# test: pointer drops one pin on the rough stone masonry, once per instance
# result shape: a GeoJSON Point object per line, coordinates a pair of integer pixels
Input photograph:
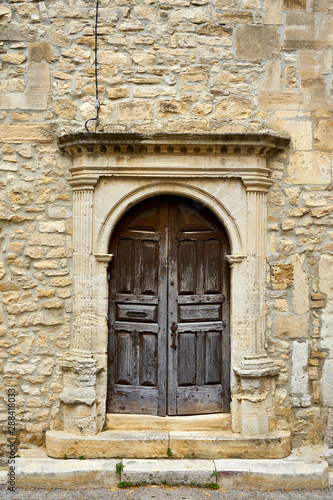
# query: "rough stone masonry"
{"type": "Point", "coordinates": [172, 66]}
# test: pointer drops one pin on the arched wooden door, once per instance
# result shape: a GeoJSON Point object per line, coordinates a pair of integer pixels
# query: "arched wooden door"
{"type": "Point", "coordinates": [169, 348]}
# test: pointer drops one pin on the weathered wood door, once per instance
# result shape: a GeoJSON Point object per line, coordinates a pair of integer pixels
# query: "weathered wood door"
{"type": "Point", "coordinates": [169, 349]}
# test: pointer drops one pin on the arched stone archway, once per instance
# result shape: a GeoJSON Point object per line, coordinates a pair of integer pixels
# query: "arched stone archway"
{"type": "Point", "coordinates": [169, 301]}
{"type": "Point", "coordinates": [175, 187]}
{"type": "Point", "coordinates": [229, 175]}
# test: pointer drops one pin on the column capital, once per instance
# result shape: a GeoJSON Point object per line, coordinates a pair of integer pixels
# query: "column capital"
{"type": "Point", "coordinates": [104, 258]}
{"type": "Point", "coordinates": [257, 184]}
{"type": "Point", "coordinates": [235, 259]}
{"type": "Point", "coordinates": [83, 182]}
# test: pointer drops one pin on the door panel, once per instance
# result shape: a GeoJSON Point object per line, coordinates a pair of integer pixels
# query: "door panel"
{"type": "Point", "coordinates": [125, 266]}
{"type": "Point", "coordinates": [212, 266]}
{"type": "Point", "coordinates": [149, 267]}
{"type": "Point", "coordinates": [187, 344]}
{"type": "Point", "coordinates": [187, 267]}
{"type": "Point", "coordinates": [137, 339]}
{"type": "Point", "coordinates": [124, 358]}
{"type": "Point", "coordinates": [148, 357]}
{"type": "Point", "coordinates": [202, 313]}
{"type": "Point", "coordinates": [199, 400]}
{"type": "Point", "coordinates": [197, 250]}
{"type": "Point", "coordinates": [169, 341]}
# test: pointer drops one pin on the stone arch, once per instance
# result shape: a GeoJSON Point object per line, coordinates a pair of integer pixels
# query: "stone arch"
{"type": "Point", "coordinates": [110, 221]}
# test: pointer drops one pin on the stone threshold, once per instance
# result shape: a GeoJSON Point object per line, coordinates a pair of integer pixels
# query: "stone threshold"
{"type": "Point", "coordinates": [156, 444]}
{"type": "Point", "coordinates": [286, 474]}
{"type": "Point", "coordinates": [127, 422]}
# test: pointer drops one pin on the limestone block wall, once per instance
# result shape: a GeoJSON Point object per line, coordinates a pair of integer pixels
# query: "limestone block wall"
{"type": "Point", "coordinates": [176, 66]}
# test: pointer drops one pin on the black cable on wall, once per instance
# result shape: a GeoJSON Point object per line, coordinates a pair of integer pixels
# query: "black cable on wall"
{"type": "Point", "coordinates": [97, 103]}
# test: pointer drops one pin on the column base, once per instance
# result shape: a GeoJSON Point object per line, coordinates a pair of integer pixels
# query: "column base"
{"type": "Point", "coordinates": [253, 400]}
{"type": "Point", "coordinates": [78, 398]}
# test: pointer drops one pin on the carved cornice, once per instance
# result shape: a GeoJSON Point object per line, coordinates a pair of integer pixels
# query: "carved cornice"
{"type": "Point", "coordinates": [171, 156]}
{"type": "Point", "coordinates": [130, 143]}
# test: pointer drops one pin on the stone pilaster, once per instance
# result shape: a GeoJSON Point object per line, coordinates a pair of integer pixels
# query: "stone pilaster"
{"type": "Point", "coordinates": [253, 398]}
{"type": "Point", "coordinates": [83, 266]}
{"type": "Point", "coordinates": [256, 245]}
{"type": "Point", "coordinates": [80, 369]}
{"type": "Point", "coordinates": [100, 332]}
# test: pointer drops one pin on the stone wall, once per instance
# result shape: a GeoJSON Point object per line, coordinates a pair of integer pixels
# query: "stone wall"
{"type": "Point", "coordinates": [175, 66]}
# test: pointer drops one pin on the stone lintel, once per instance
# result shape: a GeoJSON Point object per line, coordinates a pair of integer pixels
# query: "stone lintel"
{"type": "Point", "coordinates": [97, 143]}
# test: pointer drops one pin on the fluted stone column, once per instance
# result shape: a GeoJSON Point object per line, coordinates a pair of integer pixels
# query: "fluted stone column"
{"type": "Point", "coordinates": [80, 368]}
{"type": "Point", "coordinates": [82, 269]}
{"type": "Point", "coordinates": [256, 259]}
{"type": "Point", "coordinates": [254, 396]}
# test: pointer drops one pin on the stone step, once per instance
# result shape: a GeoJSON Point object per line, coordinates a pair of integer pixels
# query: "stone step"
{"type": "Point", "coordinates": [211, 422]}
{"type": "Point", "coordinates": [279, 474]}
{"type": "Point", "coordinates": [155, 444]}
{"type": "Point", "coordinates": [286, 474]}
{"type": "Point", "coordinates": [65, 474]}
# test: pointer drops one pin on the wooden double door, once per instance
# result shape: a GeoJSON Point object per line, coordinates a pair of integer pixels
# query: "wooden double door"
{"type": "Point", "coordinates": [169, 349]}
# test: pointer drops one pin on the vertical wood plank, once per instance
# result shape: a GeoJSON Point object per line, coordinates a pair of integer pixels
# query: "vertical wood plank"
{"type": "Point", "coordinates": [137, 267]}
{"type": "Point", "coordinates": [149, 263]}
{"type": "Point", "coordinates": [212, 266]}
{"type": "Point", "coordinates": [148, 360]}
{"type": "Point", "coordinates": [187, 267]}
{"type": "Point", "coordinates": [200, 266]}
{"type": "Point", "coordinates": [187, 359]}
{"type": "Point", "coordinates": [124, 358]}
{"type": "Point", "coordinates": [213, 361]}
{"type": "Point", "coordinates": [201, 359]}
{"type": "Point", "coordinates": [125, 266]}
{"type": "Point", "coordinates": [135, 358]}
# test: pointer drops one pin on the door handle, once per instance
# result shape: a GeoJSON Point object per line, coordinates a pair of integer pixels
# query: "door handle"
{"type": "Point", "coordinates": [174, 335]}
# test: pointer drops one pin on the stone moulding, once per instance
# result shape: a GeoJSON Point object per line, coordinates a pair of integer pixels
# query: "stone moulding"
{"type": "Point", "coordinates": [263, 372]}
{"type": "Point", "coordinates": [99, 143]}
{"type": "Point", "coordinates": [228, 173]}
